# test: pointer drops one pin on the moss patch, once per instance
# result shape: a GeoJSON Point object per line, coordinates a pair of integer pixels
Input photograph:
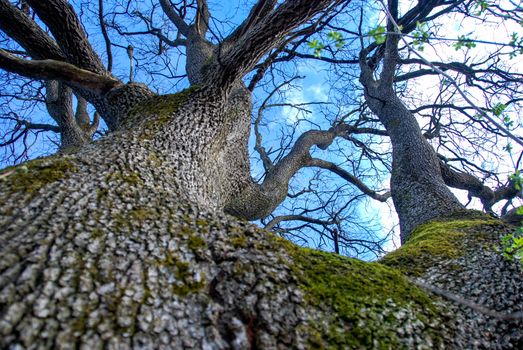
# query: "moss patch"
{"type": "Point", "coordinates": [185, 284]}
{"type": "Point", "coordinates": [31, 176]}
{"type": "Point", "coordinates": [159, 109]}
{"type": "Point", "coordinates": [436, 241]}
{"type": "Point", "coordinates": [130, 178]}
{"type": "Point", "coordinates": [368, 301]}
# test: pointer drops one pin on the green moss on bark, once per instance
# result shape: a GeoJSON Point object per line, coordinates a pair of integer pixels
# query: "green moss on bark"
{"type": "Point", "coordinates": [435, 241]}
{"type": "Point", "coordinates": [33, 175]}
{"type": "Point", "coordinates": [366, 304]}
{"type": "Point", "coordinates": [159, 109]}
{"type": "Point", "coordinates": [186, 283]}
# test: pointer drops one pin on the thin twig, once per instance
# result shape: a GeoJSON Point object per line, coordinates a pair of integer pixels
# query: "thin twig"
{"type": "Point", "coordinates": [480, 111]}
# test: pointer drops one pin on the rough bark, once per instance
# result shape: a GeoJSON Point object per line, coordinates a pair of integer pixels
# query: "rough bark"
{"type": "Point", "coordinates": [124, 250]}
{"type": "Point", "coordinates": [417, 186]}
{"type": "Point", "coordinates": [418, 190]}
{"type": "Point", "coordinates": [124, 244]}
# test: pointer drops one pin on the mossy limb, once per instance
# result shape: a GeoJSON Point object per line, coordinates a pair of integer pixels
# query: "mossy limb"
{"type": "Point", "coordinates": [33, 175]}
{"type": "Point", "coordinates": [435, 241]}
{"type": "Point", "coordinates": [369, 302]}
{"type": "Point", "coordinates": [158, 110]}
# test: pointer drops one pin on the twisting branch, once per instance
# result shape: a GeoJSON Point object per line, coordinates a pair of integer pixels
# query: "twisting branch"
{"type": "Point", "coordinates": [274, 188]}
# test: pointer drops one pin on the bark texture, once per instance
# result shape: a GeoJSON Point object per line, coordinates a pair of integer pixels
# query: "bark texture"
{"type": "Point", "coordinates": [124, 243]}
{"type": "Point", "coordinates": [417, 186]}
{"type": "Point", "coordinates": [122, 252]}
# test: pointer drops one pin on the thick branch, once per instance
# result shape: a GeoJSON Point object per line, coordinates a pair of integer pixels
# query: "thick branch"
{"type": "Point", "coordinates": [56, 70]}
{"type": "Point", "coordinates": [201, 22]}
{"type": "Point", "coordinates": [27, 33]}
{"type": "Point", "coordinates": [267, 33]}
{"type": "Point", "coordinates": [261, 9]}
{"type": "Point", "coordinates": [64, 24]}
{"type": "Point", "coordinates": [180, 24]}
{"type": "Point", "coordinates": [259, 200]}
{"type": "Point", "coordinates": [475, 186]}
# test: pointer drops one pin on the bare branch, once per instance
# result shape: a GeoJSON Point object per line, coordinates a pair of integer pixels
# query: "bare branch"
{"type": "Point", "coordinates": [174, 17]}
{"type": "Point", "coordinates": [275, 221]}
{"type": "Point", "coordinates": [64, 24]}
{"type": "Point", "coordinates": [105, 35]}
{"type": "Point", "coordinates": [350, 178]}
{"type": "Point", "coordinates": [453, 81]}
{"type": "Point", "coordinates": [56, 70]}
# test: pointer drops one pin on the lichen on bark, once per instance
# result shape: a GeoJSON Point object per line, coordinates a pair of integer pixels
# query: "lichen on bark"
{"type": "Point", "coordinates": [31, 176]}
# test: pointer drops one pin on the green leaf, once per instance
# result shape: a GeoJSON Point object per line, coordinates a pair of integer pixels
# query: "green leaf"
{"type": "Point", "coordinates": [499, 109]}
{"type": "Point", "coordinates": [337, 38]}
{"type": "Point", "coordinates": [378, 34]}
{"type": "Point", "coordinates": [314, 43]}
{"type": "Point", "coordinates": [483, 6]}
{"type": "Point", "coordinates": [463, 41]}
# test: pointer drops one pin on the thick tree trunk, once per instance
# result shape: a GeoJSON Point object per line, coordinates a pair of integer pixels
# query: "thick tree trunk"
{"type": "Point", "coordinates": [417, 187]}
{"type": "Point", "coordinates": [122, 245]}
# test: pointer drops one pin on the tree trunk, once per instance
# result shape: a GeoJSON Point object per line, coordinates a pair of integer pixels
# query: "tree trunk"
{"type": "Point", "coordinates": [417, 187]}
{"type": "Point", "coordinates": [122, 245]}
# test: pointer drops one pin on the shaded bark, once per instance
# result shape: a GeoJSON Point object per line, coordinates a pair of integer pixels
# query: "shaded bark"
{"type": "Point", "coordinates": [417, 186]}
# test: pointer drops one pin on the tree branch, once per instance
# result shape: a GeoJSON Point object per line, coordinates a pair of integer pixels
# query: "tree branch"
{"type": "Point", "coordinates": [275, 221]}
{"type": "Point", "coordinates": [56, 70]}
{"type": "Point", "coordinates": [180, 24]}
{"type": "Point", "coordinates": [105, 35]}
{"type": "Point", "coordinates": [349, 178]}
{"type": "Point", "coordinates": [253, 44]}
{"type": "Point", "coordinates": [480, 111]}
{"type": "Point", "coordinates": [261, 9]}
{"type": "Point", "coordinates": [201, 22]}
{"type": "Point", "coordinates": [475, 186]}
{"type": "Point", "coordinates": [27, 33]}
{"type": "Point", "coordinates": [64, 24]}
